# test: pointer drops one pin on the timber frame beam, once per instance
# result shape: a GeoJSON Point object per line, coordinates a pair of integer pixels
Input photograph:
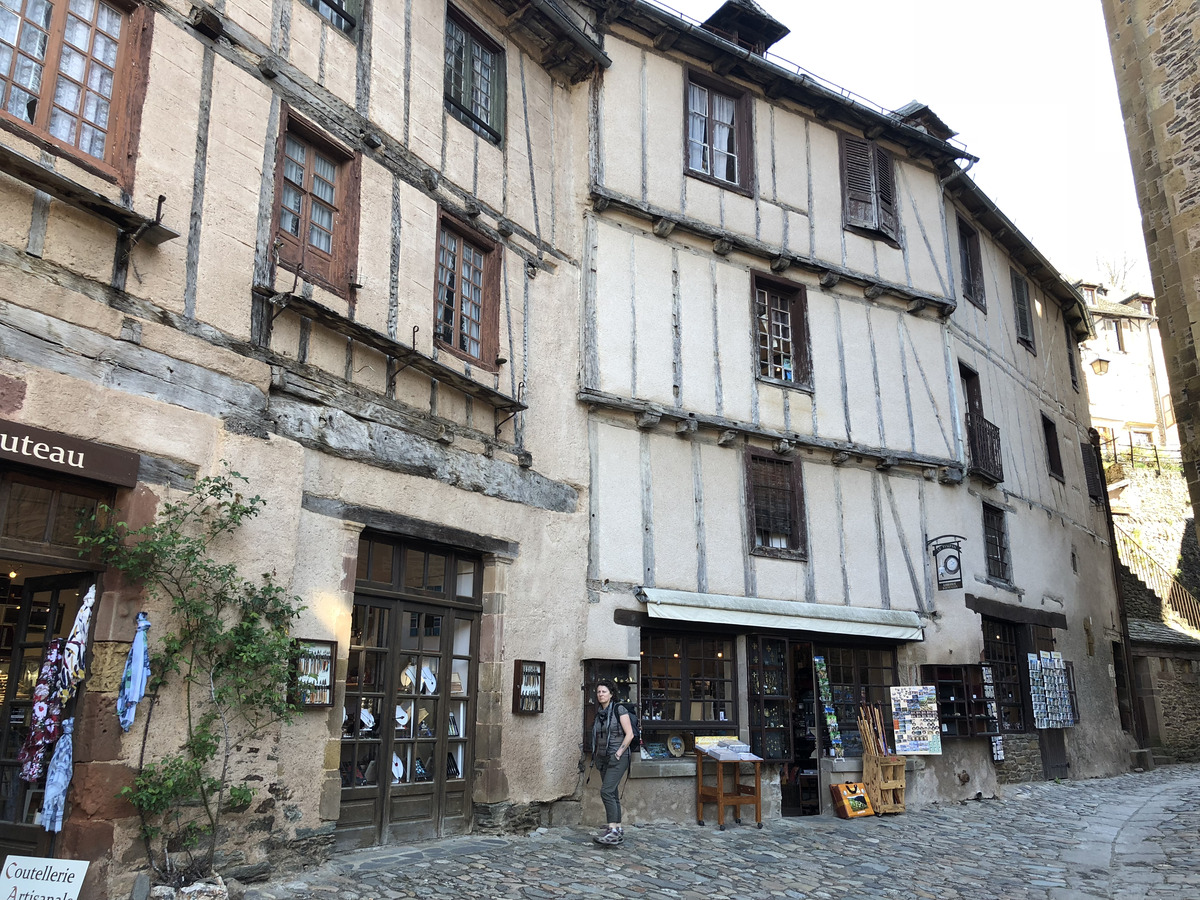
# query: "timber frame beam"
{"type": "Point", "coordinates": [604, 198]}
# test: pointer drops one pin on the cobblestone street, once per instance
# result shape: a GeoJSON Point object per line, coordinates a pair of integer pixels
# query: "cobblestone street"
{"type": "Point", "coordinates": [1132, 836]}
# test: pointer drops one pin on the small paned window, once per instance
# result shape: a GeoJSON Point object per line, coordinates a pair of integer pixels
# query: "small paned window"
{"type": "Point", "coordinates": [782, 333]}
{"type": "Point", "coordinates": [971, 263]}
{"type": "Point", "coordinates": [467, 295]}
{"type": "Point", "coordinates": [718, 133]}
{"type": "Point", "coordinates": [688, 682]}
{"type": "Point", "coordinates": [335, 12]}
{"type": "Point", "coordinates": [64, 68]}
{"type": "Point", "coordinates": [474, 78]}
{"type": "Point", "coordinates": [1053, 451]}
{"type": "Point", "coordinates": [1023, 309]}
{"type": "Point", "coordinates": [869, 188]}
{"type": "Point", "coordinates": [316, 207]}
{"type": "Point", "coordinates": [995, 542]}
{"type": "Point", "coordinates": [857, 676]}
{"type": "Point", "coordinates": [1002, 652]}
{"type": "Point", "coordinates": [777, 507]}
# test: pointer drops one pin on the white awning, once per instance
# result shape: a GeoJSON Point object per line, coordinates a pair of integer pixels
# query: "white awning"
{"type": "Point", "coordinates": [756, 612]}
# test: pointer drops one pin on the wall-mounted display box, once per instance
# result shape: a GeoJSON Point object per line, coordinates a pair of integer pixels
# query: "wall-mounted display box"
{"type": "Point", "coordinates": [529, 687]}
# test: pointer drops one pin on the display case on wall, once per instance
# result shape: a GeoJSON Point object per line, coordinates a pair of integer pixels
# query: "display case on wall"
{"type": "Point", "coordinates": [770, 697]}
{"type": "Point", "coordinates": [623, 674]}
{"type": "Point", "coordinates": [966, 702]}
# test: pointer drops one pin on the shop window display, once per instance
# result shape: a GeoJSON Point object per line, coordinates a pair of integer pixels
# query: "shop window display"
{"type": "Point", "coordinates": [688, 688]}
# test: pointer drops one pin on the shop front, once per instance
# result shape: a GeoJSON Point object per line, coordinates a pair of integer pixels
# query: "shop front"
{"type": "Point", "coordinates": [711, 665]}
{"type": "Point", "coordinates": [49, 484]}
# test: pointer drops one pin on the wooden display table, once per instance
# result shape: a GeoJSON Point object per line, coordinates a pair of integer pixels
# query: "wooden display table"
{"type": "Point", "coordinates": [884, 778]}
{"type": "Point", "coordinates": [737, 796]}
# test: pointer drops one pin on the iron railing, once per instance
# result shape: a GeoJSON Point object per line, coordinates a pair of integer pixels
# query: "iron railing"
{"type": "Point", "coordinates": [983, 442]}
{"type": "Point", "coordinates": [1180, 607]}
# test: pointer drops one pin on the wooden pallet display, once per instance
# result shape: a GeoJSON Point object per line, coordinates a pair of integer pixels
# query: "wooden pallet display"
{"type": "Point", "coordinates": [883, 774]}
{"type": "Point", "coordinates": [884, 778]}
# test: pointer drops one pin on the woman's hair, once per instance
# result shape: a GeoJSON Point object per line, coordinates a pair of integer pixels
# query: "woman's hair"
{"type": "Point", "coordinates": [604, 682]}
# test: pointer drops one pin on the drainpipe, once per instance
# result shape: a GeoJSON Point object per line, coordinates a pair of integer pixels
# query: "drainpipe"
{"type": "Point", "coordinates": [1126, 651]}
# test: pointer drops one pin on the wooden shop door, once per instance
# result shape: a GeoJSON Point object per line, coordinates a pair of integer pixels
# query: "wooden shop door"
{"type": "Point", "coordinates": [409, 711]}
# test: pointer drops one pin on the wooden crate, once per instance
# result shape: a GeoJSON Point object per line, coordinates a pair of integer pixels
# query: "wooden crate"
{"type": "Point", "coordinates": [884, 778]}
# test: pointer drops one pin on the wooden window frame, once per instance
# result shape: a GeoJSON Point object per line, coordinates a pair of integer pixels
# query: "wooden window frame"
{"type": "Point", "coordinates": [962, 700]}
{"type": "Point", "coordinates": [1119, 332]}
{"type": "Point", "coordinates": [869, 204]}
{"type": "Point", "coordinates": [1054, 460]}
{"type": "Point", "coordinates": [492, 131]}
{"type": "Point", "coordinates": [971, 262]}
{"type": "Point", "coordinates": [489, 339]}
{"type": "Point", "coordinates": [855, 661]}
{"type": "Point", "coordinates": [695, 668]}
{"type": "Point", "coordinates": [125, 109]}
{"type": "Point", "coordinates": [336, 271]}
{"type": "Point", "coordinates": [798, 543]}
{"type": "Point", "coordinates": [1023, 310]}
{"type": "Point", "coordinates": [743, 133]}
{"type": "Point", "coordinates": [336, 13]}
{"type": "Point", "coordinates": [1005, 645]}
{"type": "Point", "coordinates": [797, 298]}
{"type": "Point", "coordinates": [995, 534]}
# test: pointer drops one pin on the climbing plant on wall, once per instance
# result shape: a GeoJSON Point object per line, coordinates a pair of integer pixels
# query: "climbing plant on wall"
{"type": "Point", "coordinates": [225, 646]}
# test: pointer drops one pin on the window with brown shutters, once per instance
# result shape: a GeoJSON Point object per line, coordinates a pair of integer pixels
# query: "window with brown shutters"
{"type": "Point", "coordinates": [869, 188]}
{"type": "Point", "coordinates": [316, 206]}
{"type": "Point", "coordinates": [776, 508]}
{"type": "Point", "coordinates": [1053, 451]}
{"type": "Point", "coordinates": [717, 134]}
{"type": "Point", "coordinates": [1072, 365]}
{"type": "Point", "coordinates": [72, 77]}
{"type": "Point", "coordinates": [971, 263]}
{"type": "Point", "coordinates": [467, 294]}
{"type": "Point", "coordinates": [781, 332]}
{"type": "Point", "coordinates": [1023, 309]}
{"type": "Point", "coordinates": [1092, 472]}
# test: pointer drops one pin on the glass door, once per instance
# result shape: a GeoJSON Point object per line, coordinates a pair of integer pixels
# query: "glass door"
{"type": "Point", "coordinates": [38, 611]}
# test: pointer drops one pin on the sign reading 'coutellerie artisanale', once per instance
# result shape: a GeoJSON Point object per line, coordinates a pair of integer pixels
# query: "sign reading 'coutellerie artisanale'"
{"type": "Point", "coordinates": [61, 453]}
{"type": "Point", "coordinates": [34, 878]}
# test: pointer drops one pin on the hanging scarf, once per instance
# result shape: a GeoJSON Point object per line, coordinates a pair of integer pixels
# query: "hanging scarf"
{"type": "Point", "coordinates": [45, 725]}
{"type": "Point", "coordinates": [58, 779]}
{"type": "Point", "coordinates": [135, 676]}
{"type": "Point", "coordinates": [74, 663]}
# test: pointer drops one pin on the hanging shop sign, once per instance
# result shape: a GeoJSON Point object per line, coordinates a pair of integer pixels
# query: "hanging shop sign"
{"type": "Point", "coordinates": [35, 876]}
{"type": "Point", "coordinates": [947, 558]}
{"type": "Point", "coordinates": [60, 453]}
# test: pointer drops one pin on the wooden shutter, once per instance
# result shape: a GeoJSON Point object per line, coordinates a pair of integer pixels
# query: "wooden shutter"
{"type": "Point", "coordinates": [858, 183]}
{"type": "Point", "coordinates": [885, 183]}
{"type": "Point", "coordinates": [1021, 303]}
{"type": "Point", "coordinates": [1091, 471]}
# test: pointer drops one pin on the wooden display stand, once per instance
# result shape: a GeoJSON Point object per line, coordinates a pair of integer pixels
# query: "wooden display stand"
{"type": "Point", "coordinates": [884, 778]}
{"type": "Point", "coordinates": [737, 796]}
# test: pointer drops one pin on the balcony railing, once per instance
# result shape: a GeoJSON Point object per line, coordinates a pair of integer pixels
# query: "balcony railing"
{"type": "Point", "coordinates": [983, 442]}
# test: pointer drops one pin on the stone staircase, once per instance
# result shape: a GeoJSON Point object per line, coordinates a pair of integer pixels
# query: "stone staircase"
{"type": "Point", "coordinates": [1180, 608]}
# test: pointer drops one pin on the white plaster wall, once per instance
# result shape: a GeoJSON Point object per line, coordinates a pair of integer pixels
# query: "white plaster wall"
{"type": "Point", "coordinates": [698, 341]}
{"type": "Point", "coordinates": [896, 427]}
{"type": "Point", "coordinates": [622, 120]}
{"type": "Point", "coordinates": [724, 519]}
{"type": "Point", "coordinates": [827, 365]}
{"type": "Point", "coordinates": [662, 131]}
{"type": "Point", "coordinates": [904, 536]}
{"type": "Point", "coordinates": [861, 387]}
{"type": "Point", "coordinates": [929, 387]}
{"type": "Point", "coordinates": [825, 532]}
{"type": "Point", "coordinates": [653, 299]}
{"type": "Point", "coordinates": [675, 537]}
{"type": "Point", "coordinates": [923, 214]}
{"type": "Point", "coordinates": [614, 258]}
{"type": "Point", "coordinates": [736, 343]}
{"type": "Point", "coordinates": [826, 185]}
{"type": "Point", "coordinates": [616, 483]}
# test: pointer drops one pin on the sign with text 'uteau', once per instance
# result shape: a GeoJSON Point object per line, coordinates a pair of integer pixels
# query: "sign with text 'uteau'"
{"type": "Point", "coordinates": [36, 878]}
{"type": "Point", "coordinates": [61, 453]}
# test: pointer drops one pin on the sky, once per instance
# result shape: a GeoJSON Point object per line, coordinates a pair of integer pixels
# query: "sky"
{"type": "Point", "coordinates": [1027, 84]}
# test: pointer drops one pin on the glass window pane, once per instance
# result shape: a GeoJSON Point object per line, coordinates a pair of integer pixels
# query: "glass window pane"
{"type": "Point", "coordinates": [95, 110]}
{"type": "Point", "coordinates": [100, 80]}
{"type": "Point", "coordinates": [67, 94]}
{"type": "Point", "coordinates": [462, 637]}
{"type": "Point", "coordinates": [28, 512]}
{"type": "Point", "coordinates": [414, 569]}
{"type": "Point", "coordinates": [39, 11]}
{"type": "Point", "coordinates": [104, 49]}
{"type": "Point", "coordinates": [22, 104]}
{"type": "Point", "coordinates": [436, 579]}
{"type": "Point", "coordinates": [34, 42]}
{"type": "Point", "coordinates": [382, 558]}
{"type": "Point", "coordinates": [465, 586]}
{"type": "Point", "coordinates": [83, 8]}
{"type": "Point", "coordinates": [109, 20]}
{"type": "Point", "coordinates": [77, 34]}
{"type": "Point", "coordinates": [364, 549]}
{"type": "Point", "coordinates": [71, 509]}
{"type": "Point", "coordinates": [9, 24]}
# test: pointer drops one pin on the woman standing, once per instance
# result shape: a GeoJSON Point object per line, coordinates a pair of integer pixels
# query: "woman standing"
{"type": "Point", "coordinates": [611, 735]}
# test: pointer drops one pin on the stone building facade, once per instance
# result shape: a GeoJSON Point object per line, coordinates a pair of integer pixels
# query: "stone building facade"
{"type": "Point", "coordinates": [1153, 49]}
{"type": "Point", "coordinates": [553, 359]}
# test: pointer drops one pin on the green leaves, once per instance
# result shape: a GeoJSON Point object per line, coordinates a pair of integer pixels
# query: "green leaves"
{"type": "Point", "coordinates": [226, 642]}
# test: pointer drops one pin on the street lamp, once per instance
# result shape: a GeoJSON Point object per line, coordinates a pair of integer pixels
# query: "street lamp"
{"type": "Point", "coordinates": [1100, 365]}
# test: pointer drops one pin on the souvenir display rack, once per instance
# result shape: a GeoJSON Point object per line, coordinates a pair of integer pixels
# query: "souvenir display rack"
{"type": "Point", "coordinates": [529, 687]}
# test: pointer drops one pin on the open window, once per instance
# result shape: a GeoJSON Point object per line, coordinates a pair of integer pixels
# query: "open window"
{"type": "Point", "coordinates": [781, 326]}
{"type": "Point", "coordinates": [869, 188]}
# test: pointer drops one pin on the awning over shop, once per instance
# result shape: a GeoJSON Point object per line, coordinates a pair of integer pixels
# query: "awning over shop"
{"type": "Point", "coordinates": [756, 612]}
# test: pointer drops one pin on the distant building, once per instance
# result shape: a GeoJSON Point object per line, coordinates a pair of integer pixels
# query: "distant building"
{"type": "Point", "coordinates": [1128, 396]}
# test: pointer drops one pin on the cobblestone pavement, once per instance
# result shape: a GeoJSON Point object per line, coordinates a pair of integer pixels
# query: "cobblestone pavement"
{"type": "Point", "coordinates": [1133, 836]}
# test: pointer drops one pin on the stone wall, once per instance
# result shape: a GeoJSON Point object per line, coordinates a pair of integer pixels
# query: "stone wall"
{"type": "Point", "coordinates": [1158, 82]}
{"type": "Point", "coordinates": [1022, 759]}
{"type": "Point", "coordinates": [1159, 516]}
{"type": "Point", "coordinates": [1177, 683]}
